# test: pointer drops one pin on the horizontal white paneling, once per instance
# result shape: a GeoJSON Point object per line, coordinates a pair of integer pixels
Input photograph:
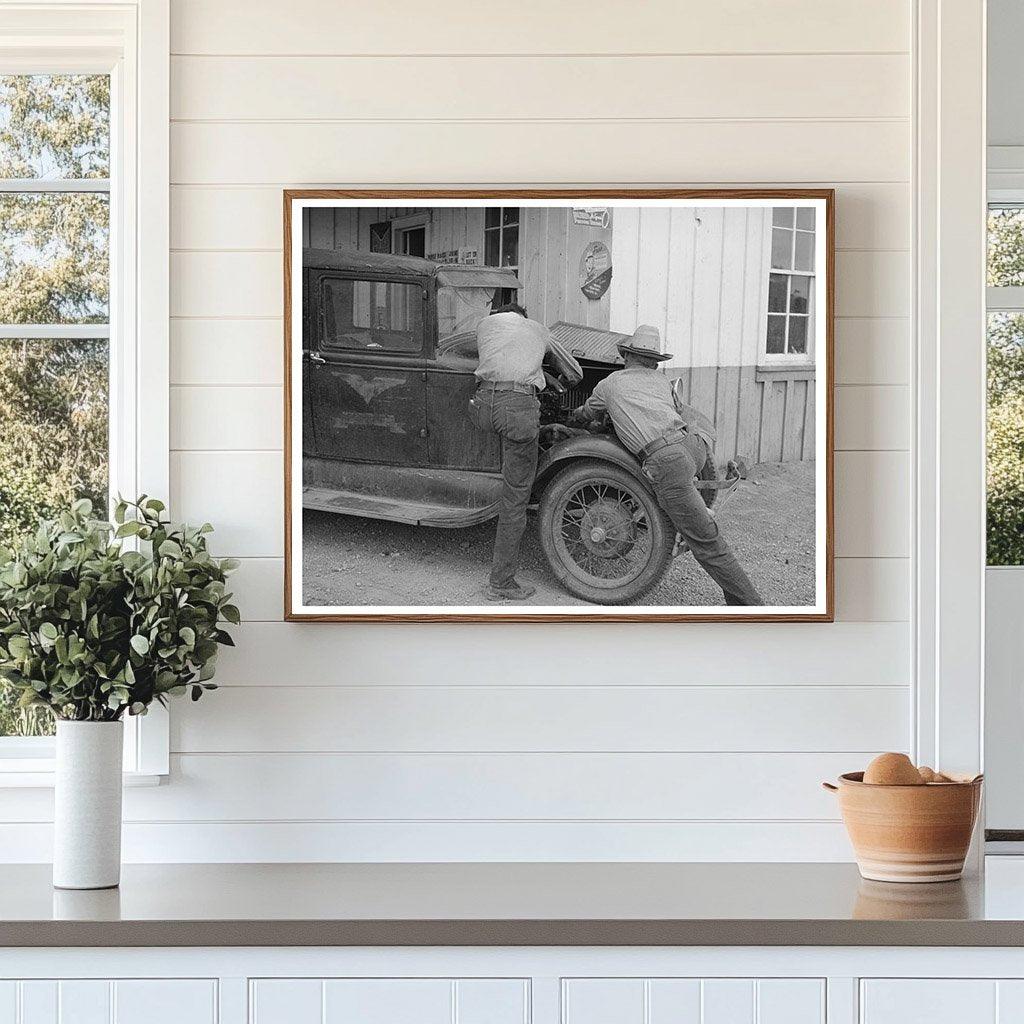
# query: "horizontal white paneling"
{"type": "Point", "coordinates": [872, 418]}
{"type": "Point", "coordinates": [868, 216]}
{"type": "Point", "coordinates": [231, 284]}
{"type": "Point", "coordinates": [460, 787]}
{"type": "Point", "coordinates": [241, 493]}
{"type": "Point", "coordinates": [234, 284]}
{"type": "Point", "coordinates": [872, 503]}
{"type": "Point", "coordinates": [237, 418]}
{"type": "Point", "coordinates": [873, 283]}
{"type": "Point", "coordinates": [258, 586]}
{"type": "Point", "coordinates": [548, 718]}
{"type": "Point", "coordinates": [871, 350]}
{"type": "Point", "coordinates": [872, 589]}
{"type": "Point", "coordinates": [158, 842]}
{"type": "Point", "coordinates": [570, 151]}
{"type": "Point", "coordinates": [467, 26]}
{"type": "Point", "coordinates": [371, 88]}
{"type": "Point", "coordinates": [794, 654]}
{"type": "Point", "coordinates": [227, 352]}
{"type": "Point", "coordinates": [867, 589]}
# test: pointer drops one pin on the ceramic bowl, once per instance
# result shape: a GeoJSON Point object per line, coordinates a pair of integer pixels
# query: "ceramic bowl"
{"type": "Point", "coordinates": [909, 833]}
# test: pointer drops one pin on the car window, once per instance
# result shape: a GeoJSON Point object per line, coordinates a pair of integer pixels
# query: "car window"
{"type": "Point", "coordinates": [384, 316]}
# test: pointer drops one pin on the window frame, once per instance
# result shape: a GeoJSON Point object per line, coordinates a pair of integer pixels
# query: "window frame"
{"type": "Point", "coordinates": [501, 297]}
{"type": "Point", "coordinates": [772, 360]}
{"type": "Point", "coordinates": [130, 41]}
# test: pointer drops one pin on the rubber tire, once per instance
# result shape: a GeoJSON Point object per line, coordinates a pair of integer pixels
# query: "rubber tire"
{"type": "Point", "coordinates": [662, 541]}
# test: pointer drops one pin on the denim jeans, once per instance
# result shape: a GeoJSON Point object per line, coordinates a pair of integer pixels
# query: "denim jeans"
{"type": "Point", "coordinates": [515, 418]}
{"type": "Point", "coordinates": [671, 470]}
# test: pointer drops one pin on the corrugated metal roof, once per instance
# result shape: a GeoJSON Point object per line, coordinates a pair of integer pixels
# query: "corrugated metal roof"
{"type": "Point", "coordinates": [391, 263]}
{"type": "Point", "coordinates": [589, 342]}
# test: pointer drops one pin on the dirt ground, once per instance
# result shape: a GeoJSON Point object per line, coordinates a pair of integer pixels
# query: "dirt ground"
{"type": "Point", "coordinates": [769, 521]}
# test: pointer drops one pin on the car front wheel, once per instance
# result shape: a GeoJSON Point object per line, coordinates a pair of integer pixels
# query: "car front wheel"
{"type": "Point", "coordinates": [604, 534]}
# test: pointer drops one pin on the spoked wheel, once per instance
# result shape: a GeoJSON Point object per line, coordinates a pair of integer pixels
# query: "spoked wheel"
{"type": "Point", "coordinates": [603, 534]}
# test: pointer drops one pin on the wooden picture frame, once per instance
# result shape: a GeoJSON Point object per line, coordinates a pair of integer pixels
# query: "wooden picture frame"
{"type": "Point", "coordinates": [785, 375]}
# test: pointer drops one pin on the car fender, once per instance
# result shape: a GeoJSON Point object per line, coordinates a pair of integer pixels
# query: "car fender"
{"type": "Point", "coordinates": [600, 447]}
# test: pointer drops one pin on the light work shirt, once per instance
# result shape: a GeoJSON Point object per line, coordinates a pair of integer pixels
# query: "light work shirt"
{"type": "Point", "coordinates": [511, 348]}
{"type": "Point", "coordinates": [643, 408]}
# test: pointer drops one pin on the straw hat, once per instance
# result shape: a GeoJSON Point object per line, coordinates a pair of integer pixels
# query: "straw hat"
{"type": "Point", "coordinates": [646, 342]}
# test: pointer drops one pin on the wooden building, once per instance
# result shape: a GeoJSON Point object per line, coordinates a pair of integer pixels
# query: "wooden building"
{"type": "Point", "coordinates": [705, 277]}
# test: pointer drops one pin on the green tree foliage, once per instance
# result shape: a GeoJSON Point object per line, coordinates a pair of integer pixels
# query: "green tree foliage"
{"type": "Point", "coordinates": [53, 270]}
{"type": "Point", "coordinates": [1005, 481]}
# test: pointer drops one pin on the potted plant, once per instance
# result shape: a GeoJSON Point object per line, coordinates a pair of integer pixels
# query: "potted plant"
{"type": "Point", "coordinates": [95, 624]}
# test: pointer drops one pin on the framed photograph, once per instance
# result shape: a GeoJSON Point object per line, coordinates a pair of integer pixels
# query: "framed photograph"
{"type": "Point", "coordinates": [560, 405]}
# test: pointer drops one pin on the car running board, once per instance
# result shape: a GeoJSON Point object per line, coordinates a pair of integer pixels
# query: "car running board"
{"type": "Point", "coordinates": [394, 510]}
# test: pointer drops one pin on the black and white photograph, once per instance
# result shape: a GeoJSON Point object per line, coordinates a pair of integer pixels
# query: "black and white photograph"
{"type": "Point", "coordinates": [558, 405]}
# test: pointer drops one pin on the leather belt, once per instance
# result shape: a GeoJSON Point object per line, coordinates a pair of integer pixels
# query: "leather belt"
{"type": "Point", "coordinates": [507, 385]}
{"type": "Point", "coordinates": [675, 436]}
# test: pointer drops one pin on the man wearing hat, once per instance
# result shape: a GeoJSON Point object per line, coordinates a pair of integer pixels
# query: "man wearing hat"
{"type": "Point", "coordinates": [671, 449]}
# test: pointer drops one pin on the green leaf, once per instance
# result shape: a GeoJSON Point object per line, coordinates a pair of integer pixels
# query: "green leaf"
{"type": "Point", "coordinates": [140, 644]}
{"type": "Point", "coordinates": [170, 549]}
{"type": "Point", "coordinates": [231, 613]}
{"type": "Point", "coordinates": [48, 631]}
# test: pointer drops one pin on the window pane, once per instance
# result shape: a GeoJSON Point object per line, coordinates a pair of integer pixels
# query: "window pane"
{"type": "Point", "coordinates": [492, 248]}
{"type": "Point", "coordinates": [798, 334]}
{"type": "Point", "coordinates": [1006, 247]}
{"type": "Point", "coordinates": [510, 215]}
{"type": "Point", "coordinates": [782, 248]}
{"type": "Point", "coordinates": [54, 261]}
{"type": "Point", "coordinates": [776, 334]}
{"type": "Point", "coordinates": [782, 216]}
{"type": "Point", "coordinates": [372, 315]}
{"type": "Point", "coordinates": [804, 259]}
{"type": "Point", "coordinates": [799, 294]}
{"type": "Point", "coordinates": [53, 449]}
{"type": "Point", "coordinates": [492, 217]}
{"type": "Point", "coordinates": [510, 247]}
{"type": "Point", "coordinates": [777, 286]}
{"type": "Point", "coordinates": [54, 126]}
{"type": "Point", "coordinates": [805, 218]}
{"type": "Point", "coordinates": [1005, 478]}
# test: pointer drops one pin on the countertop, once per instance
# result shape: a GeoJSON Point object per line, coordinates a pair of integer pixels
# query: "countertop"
{"type": "Point", "coordinates": [510, 904]}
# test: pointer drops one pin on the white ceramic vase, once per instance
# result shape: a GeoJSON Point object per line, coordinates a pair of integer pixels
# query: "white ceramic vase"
{"type": "Point", "coordinates": [87, 807]}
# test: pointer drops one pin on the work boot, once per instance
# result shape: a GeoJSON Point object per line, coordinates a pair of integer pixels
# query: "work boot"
{"type": "Point", "coordinates": [511, 591]}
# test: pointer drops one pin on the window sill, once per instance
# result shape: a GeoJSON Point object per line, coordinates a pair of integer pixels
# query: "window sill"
{"type": "Point", "coordinates": [785, 371]}
{"type": "Point", "coordinates": [41, 775]}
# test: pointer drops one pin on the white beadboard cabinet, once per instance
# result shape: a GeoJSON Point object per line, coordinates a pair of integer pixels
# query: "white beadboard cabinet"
{"type": "Point", "coordinates": [513, 985]}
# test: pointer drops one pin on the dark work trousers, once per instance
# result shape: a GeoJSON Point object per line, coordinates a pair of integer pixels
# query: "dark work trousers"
{"type": "Point", "coordinates": [515, 418]}
{"type": "Point", "coordinates": [671, 470]}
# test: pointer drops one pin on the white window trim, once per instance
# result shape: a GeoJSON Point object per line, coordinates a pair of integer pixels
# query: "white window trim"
{"type": "Point", "coordinates": [948, 544]}
{"type": "Point", "coordinates": [131, 41]}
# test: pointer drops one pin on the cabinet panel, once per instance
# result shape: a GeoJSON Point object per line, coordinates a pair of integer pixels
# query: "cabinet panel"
{"type": "Point", "coordinates": [929, 1001]}
{"type": "Point", "coordinates": [693, 1001]}
{"type": "Point", "coordinates": [101, 1001]}
{"type": "Point", "coordinates": [389, 1001]}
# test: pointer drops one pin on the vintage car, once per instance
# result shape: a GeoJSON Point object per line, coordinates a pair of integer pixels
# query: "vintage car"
{"type": "Point", "coordinates": [389, 350]}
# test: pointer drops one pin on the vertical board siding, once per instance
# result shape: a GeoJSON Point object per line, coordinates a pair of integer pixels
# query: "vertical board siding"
{"type": "Point", "coordinates": [490, 788]}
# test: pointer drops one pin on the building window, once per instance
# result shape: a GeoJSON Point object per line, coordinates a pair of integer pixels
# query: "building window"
{"type": "Point", "coordinates": [790, 330]}
{"type": "Point", "coordinates": [501, 245]}
{"type": "Point", "coordinates": [54, 308]}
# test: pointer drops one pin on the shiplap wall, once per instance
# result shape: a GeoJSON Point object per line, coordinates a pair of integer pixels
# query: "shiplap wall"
{"type": "Point", "coordinates": [599, 742]}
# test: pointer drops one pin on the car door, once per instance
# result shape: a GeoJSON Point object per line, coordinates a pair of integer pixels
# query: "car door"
{"type": "Point", "coordinates": [455, 442]}
{"type": "Point", "coordinates": [368, 370]}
